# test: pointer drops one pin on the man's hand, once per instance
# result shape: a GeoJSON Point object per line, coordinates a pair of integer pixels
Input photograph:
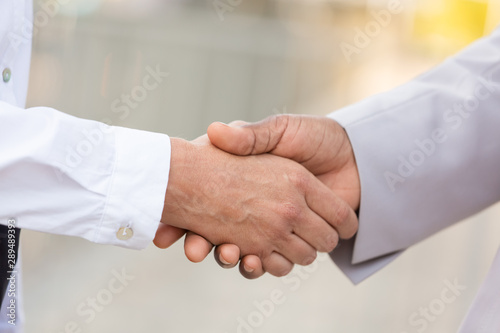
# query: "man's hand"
{"type": "Point", "coordinates": [318, 143]}
{"type": "Point", "coordinates": [268, 206]}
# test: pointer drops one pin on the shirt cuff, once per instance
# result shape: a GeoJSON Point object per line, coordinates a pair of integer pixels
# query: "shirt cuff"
{"type": "Point", "coordinates": [137, 189]}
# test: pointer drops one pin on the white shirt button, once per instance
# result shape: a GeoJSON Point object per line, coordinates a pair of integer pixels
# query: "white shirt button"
{"type": "Point", "coordinates": [6, 75]}
{"type": "Point", "coordinates": [124, 233]}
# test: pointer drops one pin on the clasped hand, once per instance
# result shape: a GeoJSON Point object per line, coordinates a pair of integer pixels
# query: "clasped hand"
{"type": "Point", "coordinates": [272, 194]}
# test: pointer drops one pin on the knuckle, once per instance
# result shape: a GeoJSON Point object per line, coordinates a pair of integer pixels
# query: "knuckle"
{"type": "Point", "coordinates": [342, 214]}
{"type": "Point", "coordinates": [279, 121]}
{"type": "Point", "coordinates": [299, 178]}
{"type": "Point", "coordinates": [274, 120]}
{"type": "Point", "coordinates": [290, 211]}
{"type": "Point", "coordinates": [331, 241]}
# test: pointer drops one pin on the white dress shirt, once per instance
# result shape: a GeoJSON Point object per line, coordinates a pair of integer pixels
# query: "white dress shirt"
{"type": "Point", "coordinates": [428, 155]}
{"type": "Point", "coordinates": [69, 176]}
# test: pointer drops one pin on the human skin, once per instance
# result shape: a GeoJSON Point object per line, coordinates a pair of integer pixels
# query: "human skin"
{"type": "Point", "coordinates": [269, 207]}
{"type": "Point", "coordinates": [319, 144]}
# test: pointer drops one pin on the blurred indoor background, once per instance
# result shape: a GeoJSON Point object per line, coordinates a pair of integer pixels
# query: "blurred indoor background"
{"type": "Point", "coordinates": [242, 59]}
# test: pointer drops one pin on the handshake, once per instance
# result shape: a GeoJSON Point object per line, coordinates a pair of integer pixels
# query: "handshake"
{"type": "Point", "coordinates": [272, 193]}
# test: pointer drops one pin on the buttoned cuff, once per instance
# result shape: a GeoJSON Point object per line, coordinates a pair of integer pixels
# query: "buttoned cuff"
{"type": "Point", "coordinates": [136, 194]}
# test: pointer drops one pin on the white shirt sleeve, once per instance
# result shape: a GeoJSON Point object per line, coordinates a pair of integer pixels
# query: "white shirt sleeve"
{"type": "Point", "coordinates": [428, 155]}
{"type": "Point", "coordinates": [76, 177]}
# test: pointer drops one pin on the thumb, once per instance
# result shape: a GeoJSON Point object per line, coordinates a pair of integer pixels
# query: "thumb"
{"type": "Point", "coordinates": [241, 138]}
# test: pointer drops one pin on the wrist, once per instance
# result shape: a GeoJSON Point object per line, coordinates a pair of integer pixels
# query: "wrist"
{"type": "Point", "coordinates": [180, 152]}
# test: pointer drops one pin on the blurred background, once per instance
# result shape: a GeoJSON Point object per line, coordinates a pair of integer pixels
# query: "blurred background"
{"type": "Point", "coordinates": [242, 59]}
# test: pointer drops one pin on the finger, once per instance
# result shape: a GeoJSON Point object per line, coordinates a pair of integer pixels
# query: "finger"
{"type": "Point", "coordinates": [251, 267]}
{"type": "Point", "coordinates": [297, 251]}
{"type": "Point", "coordinates": [277, 265]}
{"type": "Point", "coordinates": [317, 232]}
{"type": "Point", "coordinates": [332, 209]}
{"type": "Point", "coordinates": [227, 255]}
{"type": "Point", "coordinates": [166, 235]}
{"type": "Point", "coordinates": [238, 123]}
{"type": "Point", "coordinates": [196, 247]}
{"type": "Point", "coordinates": [257, 138]}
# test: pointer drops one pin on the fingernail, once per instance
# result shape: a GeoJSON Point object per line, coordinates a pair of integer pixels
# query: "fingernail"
{"type": "Point", "coordinates": [223, 261]}
{"type": "Point", "coordinates": [332, 242]}
{"type": "Point", "coordinates": [309, 261]}
{"type": "Point", "coordinates": [223, 124]}
{"type": "Point", "coordinates": [248, 269]}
